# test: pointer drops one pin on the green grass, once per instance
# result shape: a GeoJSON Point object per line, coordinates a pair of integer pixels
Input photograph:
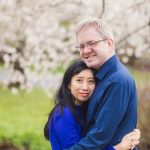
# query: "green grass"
{"type": "Point", "coordinates": [1, 65]}
{"type": "Point", "coordinates": [22, 118]}
{"type": "Point", "coordinates": [140, 76]}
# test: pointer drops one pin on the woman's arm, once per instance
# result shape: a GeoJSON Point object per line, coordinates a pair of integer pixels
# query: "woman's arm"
{"type": "Point", "coordinates": [64, 131]}
{"type": "Point", "coordinates": [129, 141]}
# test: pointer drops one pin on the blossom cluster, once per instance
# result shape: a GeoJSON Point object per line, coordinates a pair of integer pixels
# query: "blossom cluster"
{"type": "Point", "coordinates": [37, 37]}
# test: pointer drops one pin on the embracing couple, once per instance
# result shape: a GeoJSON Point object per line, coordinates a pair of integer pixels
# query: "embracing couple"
{"type": "Point", "coordinates": [96, 103]}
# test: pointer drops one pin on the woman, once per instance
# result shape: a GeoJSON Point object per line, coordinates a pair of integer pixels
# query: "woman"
{"type": "Point", "coordinates": [65, 125]}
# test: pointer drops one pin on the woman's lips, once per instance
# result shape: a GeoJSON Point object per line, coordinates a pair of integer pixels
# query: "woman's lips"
{"type": "Point", "coordinates": [84, 94]}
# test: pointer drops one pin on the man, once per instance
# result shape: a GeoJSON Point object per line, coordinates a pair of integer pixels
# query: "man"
{"type": "Point", "coordinates": [112, 110]}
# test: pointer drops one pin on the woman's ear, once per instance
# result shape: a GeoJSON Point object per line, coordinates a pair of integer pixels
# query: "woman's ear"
{"type": "Point", "coordinates": [68, 86]}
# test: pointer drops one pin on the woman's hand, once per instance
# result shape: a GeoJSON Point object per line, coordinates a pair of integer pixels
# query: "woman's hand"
{"type": "Point", "coordinates": [129, 141]}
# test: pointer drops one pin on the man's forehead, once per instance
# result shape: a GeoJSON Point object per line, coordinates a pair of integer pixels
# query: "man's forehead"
{"type": "Point", "coordinates": [88, 35]}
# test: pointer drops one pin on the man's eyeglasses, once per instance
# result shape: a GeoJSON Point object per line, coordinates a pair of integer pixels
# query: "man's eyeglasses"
{"type": "Point", "coordinates": [90, 44]}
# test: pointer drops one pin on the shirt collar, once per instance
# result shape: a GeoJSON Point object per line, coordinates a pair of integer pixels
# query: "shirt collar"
{"type": "Point", "coordinates": [108, 66]}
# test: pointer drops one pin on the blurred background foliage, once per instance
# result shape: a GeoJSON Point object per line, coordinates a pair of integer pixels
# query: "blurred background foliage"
{"type": "Point", "coordinates": [37, 43]}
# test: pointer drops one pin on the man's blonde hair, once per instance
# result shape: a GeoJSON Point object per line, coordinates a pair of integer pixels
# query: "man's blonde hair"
{"type": "Point", "coordinates": [98, 24]}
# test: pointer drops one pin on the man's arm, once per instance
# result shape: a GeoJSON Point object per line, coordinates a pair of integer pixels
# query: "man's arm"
{"type": "Point", "coordinates": [107, 120]}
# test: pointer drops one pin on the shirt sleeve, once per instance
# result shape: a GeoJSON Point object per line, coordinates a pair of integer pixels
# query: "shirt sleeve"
{"type": "Point", "coordinates": [109, 148]}
{"type": "Point", "coordinates": [65, 128]}
{"type": "Point", "coordinates": [107, 120]}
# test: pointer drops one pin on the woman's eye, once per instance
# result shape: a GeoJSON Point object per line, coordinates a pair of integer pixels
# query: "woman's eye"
{"type": "Point", "coordinates": [91, 81]}
{"type": "Point", "coordinates": [79, 80]}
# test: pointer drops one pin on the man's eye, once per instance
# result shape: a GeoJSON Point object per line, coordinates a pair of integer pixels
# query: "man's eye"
{"type": "Point", "coordinates": [82, 47]}
{"type": "Point", "coordinates": [91, 43]}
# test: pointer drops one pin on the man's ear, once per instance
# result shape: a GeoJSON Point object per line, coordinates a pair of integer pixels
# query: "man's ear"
{"type": "Point", "coordinates": [111, 44]}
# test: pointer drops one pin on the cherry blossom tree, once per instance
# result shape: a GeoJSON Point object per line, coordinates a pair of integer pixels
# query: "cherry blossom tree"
{"type": "Point", "coordinates": [37, 37]}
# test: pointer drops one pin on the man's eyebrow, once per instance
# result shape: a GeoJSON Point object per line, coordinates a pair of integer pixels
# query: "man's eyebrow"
{"type": "Point", "coordinates": [90, 41]}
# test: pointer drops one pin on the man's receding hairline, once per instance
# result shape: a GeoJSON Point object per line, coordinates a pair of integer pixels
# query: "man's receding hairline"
{"type": "Point", "coordinates": [100, 26]}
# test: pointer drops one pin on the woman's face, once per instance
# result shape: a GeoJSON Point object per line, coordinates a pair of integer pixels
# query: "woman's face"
{"type": "Point", "coordinates": [82, 86]}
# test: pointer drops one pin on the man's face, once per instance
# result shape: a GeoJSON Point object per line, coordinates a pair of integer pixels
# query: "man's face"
{"type": "Point", "coordinates": [94, 55]}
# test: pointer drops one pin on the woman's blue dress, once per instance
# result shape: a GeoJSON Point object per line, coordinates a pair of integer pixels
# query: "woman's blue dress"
{"type": "Point", "coordinates": [64, 130]}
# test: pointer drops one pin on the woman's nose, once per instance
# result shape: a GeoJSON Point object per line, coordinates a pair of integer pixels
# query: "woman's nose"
{"type": "Point", "coordinates": [85, 86]}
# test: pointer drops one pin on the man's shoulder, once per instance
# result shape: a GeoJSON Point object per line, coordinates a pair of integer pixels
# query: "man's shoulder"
{"type": "Point", "coordinates": [121, 75]}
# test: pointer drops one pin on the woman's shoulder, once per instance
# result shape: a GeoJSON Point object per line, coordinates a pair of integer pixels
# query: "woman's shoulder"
{"type": "Point", "coordinates": [62, 113]}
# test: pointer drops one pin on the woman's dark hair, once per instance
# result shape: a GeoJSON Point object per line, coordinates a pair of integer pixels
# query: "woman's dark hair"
{"type": "Point", "coordinates": [64, 96]}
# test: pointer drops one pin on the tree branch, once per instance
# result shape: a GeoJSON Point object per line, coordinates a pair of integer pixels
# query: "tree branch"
{"type": "Point", "coordinates": [137, 4]}
{"type": "Point", "coordinates": [54, 3]}
{"type": "Point", "coordinates": [123, 11]}
{"type": "Point", "coordinates": [103, 9]}
{"type": "Point", "coordinates": [118, 43]}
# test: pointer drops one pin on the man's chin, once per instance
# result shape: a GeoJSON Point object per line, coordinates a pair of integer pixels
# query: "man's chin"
{"type": "Point", "coordinates": [89, 64]}
{"type": "Point", "coordinates": [92, 65]}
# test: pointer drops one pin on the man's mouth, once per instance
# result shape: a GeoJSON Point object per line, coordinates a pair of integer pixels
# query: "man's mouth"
{"type": "Point", "coordinates": [90, 57]}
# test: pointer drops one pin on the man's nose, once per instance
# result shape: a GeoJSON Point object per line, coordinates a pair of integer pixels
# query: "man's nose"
{"type": "Point", "coordinates": [86, 50]}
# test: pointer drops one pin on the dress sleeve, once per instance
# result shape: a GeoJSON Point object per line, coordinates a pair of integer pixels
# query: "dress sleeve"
{"type": "Point", "coordinates": [65, 127]}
